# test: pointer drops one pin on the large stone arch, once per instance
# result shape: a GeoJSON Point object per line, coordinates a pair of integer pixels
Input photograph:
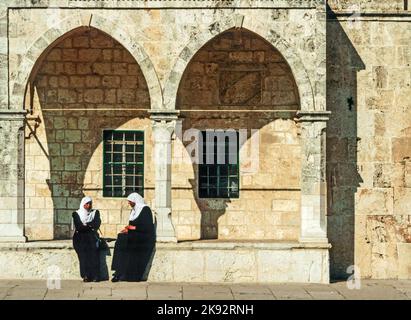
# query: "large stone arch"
{"type": "Point", "coordinates": [197, 41]}
{"type": "Point", "coordinates": [65, 26]}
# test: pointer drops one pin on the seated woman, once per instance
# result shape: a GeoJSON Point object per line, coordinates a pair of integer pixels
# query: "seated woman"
{"type": "Point", "coordinates": [135, 243]}
{"type": "Point", "coordinates": [86, 223]}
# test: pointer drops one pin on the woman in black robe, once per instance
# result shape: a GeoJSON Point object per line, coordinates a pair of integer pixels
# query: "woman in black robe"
{"type": "Point", "coordinates": [135, 243]}
{"type": "Point", "coordinates": [86, 222]}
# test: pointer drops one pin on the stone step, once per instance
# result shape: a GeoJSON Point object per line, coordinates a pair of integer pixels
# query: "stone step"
{"type": "Point", "coordinates": [194, 261]}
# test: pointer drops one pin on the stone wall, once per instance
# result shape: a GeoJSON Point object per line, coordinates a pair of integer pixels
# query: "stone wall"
{"type": "Point", "coordinates": [85, 83]}
{"type": "Point", "coordinates": [368, 86]}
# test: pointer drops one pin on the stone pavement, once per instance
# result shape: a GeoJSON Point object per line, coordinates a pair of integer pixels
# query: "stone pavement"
{"type": "Point", "coordinates": [37, 290]}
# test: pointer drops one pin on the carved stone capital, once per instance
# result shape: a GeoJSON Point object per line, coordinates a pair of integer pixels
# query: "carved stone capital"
{"type": "Point", "coordinates": [313, 116]}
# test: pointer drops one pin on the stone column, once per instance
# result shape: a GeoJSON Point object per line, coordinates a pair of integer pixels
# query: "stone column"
{"type": "Point", "coordinates": [12, 176]}
{"type": "Point", "coordinates": [163, 127]}
{"type": "Point", "coordinates": [313, 177]}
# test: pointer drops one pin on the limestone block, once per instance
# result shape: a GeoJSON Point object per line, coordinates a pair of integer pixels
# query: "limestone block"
{"type": "Point", "coordinates": [272, 219]}
{"type": "Point", "coordinates": [383, 175]}
{"type": "Point", "coordinates": [363, 247]}
{"type": "Point", "coordinates": [37, 203]}
{"type": "Point", "coordinates": [114, 217]}
{"type": "Point", "coordinates": [273, 267]}
{"type": "Point", "coordinates": [402, 201]}
{"type": "Point", "coordinates": [94, 95]}
{"type": "Point", "coordinates": [186, 217]}
{"type": "Point", "coordinates": [93, 81]}
{"type": "Point", "coordinates": [229, 267]}
{"type": "Point", "coordinates": [401, 149]}
{"type": "Point", "coordinates": [384, 261]}
{"type": "Point", "coordinates": [184, 268]}
{"type": "Point", "coordinates": [290, 218]}
{"type": "Point", "coordinates": [374, 201]}
{"type": "Point", "coordinates": [181, 204]}
{"type": "Point", "coordinates": [72, 136]}
{"type": "Point", "coordinates": [80, 42]}
{"type": "Point", "coordinates": [183, 232]}
{"type": "Point", "coordinates": [404, 260]}
{"type": "Point", "coordinates": [404, 173]}
{"type": "Point", "coordinates": [39, 231]}
{"type": "Point", "coordinates": [285, 205]}
{"type": "Point", "coordinates": [163, 266]}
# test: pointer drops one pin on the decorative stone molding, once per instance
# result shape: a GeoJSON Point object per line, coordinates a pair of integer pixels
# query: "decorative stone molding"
{"type": "Point", "coordinates": [195, 4]}
{"type": "Point", "coordinates": [312, 116]}
{"type": "Point", "coordinates": [12, 115]}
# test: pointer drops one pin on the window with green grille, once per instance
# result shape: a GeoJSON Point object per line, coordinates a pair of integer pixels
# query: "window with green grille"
{"type": "Point", "coordinates": [219, 175]}
{"type": "Point", "coordinates": [123, 163]}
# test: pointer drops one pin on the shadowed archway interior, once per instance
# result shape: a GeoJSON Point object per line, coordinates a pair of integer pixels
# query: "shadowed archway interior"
{"type": "Point", "coordinates": [84, 83]}
{"type": "Point", "coordinates": [238, 80]}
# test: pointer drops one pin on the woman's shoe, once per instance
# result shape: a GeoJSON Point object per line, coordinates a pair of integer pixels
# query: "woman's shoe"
{"type": "Point", "coordinates": [85, 279]}
{"type": "Point", "coordinates": [115, 279]}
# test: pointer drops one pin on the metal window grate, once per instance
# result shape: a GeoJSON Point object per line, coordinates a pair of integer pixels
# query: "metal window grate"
{"type": "Point", "coordinates": [123, 163]}
{"type": "Point", "coordinates": [219, 180]}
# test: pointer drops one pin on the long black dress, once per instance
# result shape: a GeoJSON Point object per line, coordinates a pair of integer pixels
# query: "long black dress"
{"type": "Point", "coordinates": [85, 245]}
{"type": "Point", "coordinates": [133, 250]}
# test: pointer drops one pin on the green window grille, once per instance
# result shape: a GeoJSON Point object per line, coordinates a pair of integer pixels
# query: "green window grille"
{"type": "Point", "coordinates": [123, 170]}
{"type": "Point", "coordinates": [219, 180]}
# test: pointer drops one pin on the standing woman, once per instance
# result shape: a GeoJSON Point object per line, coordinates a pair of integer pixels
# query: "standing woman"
{"type": "Point", "coordinates": [86, 223]}
{"type": "Point", "coordinates": [135, 243]}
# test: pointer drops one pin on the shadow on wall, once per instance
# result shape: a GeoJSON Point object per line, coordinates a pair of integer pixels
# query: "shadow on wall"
{"type": "Point", "coordinates": [86, 82]}
{"type": "Point", "coordinates": [343, 64]}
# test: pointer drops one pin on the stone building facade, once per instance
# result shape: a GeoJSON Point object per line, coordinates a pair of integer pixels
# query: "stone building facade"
{"type": "Point", "coordinates": [321, 89]}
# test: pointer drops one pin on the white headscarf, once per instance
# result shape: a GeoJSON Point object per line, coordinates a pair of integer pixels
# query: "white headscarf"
{"type": "Point", "coordinates": [85, 215]}
{"type": "Point", "coordinates": [139, 205]}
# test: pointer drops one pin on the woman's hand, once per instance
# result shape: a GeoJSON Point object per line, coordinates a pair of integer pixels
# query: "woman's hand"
{"type": "Point", "coordinates": [125, 230]}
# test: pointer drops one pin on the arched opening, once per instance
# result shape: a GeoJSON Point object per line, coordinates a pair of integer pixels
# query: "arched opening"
{"type": "Point", "coordinates": [237, 81]}
{"type": "Point", "coordinates": [84, 84]}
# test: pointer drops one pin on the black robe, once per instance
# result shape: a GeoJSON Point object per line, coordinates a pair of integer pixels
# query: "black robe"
{"type": "Point", "coordinates": [133, 250]}
{"type": "Point", "coordinates": [85, 245]}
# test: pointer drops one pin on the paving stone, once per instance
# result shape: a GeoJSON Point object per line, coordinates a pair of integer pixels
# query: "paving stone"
{"type": "Point", "coordinates": [96, 292]}
{"type": "Point", "coordinates": [285, 292]}
{"type": "Point", "coordinates": [76, 290]}
{"type": "Point", "coordinates": [166, 292]}
{"type": "Point", "coordinates": [139, 293]}
{"type": "Point", "coordinates": [62, 294]}
{"type": "Point", "coordinates": [252, 289]}
{"type": "Point", "coordinates": [26, 294]}
{"type": "Point", "coordinates": [254, 297]}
